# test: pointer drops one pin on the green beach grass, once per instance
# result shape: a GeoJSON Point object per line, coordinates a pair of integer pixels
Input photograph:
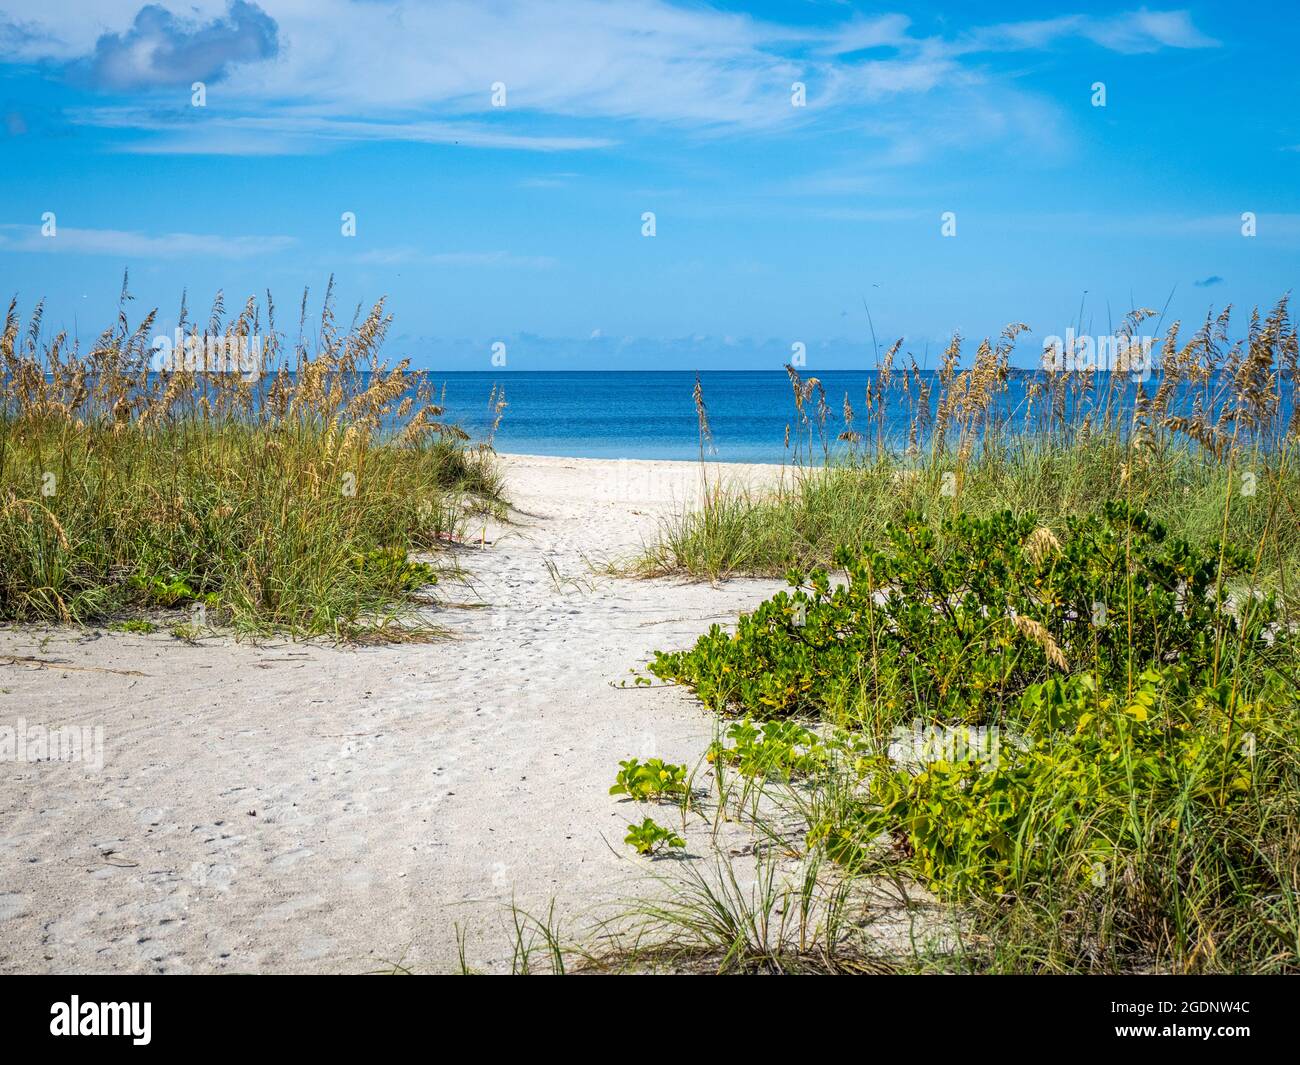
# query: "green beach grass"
{"type": "Point", "coordinates": [286, 498]}
{"type": "Point", "coordinates": [970, 446]}
{"type": "Point", "coordinates": [1083, 635]}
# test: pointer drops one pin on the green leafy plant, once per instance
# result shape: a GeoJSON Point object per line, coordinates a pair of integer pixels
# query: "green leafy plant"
{"type": "Point", "coordinates": [1136, 807]}
{"type": "Point", "coordinates": [168, 590]}
{"type": "Point", "coordinates": [185, 633]}
{"type": "Point", "coordinates": [958, 626]}
{"type": "Point", "coordinates": [1060, 803]}
{"type": "Point", "coordinates": [782, 749]}
{"type": "Point", "coordinates": [651, 838]}
{"type": "Point", "coordinates": [137, 626]}
{"type": "Point", "coordinates": [652, 779]}
{"type": "Point", "coordinates": [393, 569]}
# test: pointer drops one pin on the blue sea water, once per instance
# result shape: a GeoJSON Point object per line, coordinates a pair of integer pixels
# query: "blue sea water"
{"type": "Point", "coordinates": [632, 413]}
{"type": "Point", "coordinates": [650, 414]}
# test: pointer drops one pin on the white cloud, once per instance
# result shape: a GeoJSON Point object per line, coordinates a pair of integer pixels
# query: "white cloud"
{"type": "Point", "coordinates": [134, 245]}
{"type": "Point", "coordinates": [292, 131]}
{"type": "Point", "coordinates": [865, 33]}
{"type": "Point", "coordinates": [161, 49]}
{"type": "Point", "coordinates": [1147, 31]}
{"type": "Point", "coordinates": [347, 70]}
{"type": "Point", "coordinates": [1278, 226]}
{"type": "Point", "coordinates": [549, 181]}
{"type": "Point", "coordinates": [416, 256]}
{"type": "Point", "coordinates": [1130, 32]}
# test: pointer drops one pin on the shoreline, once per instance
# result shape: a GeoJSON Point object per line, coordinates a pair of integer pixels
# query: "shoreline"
{"type": "Point", "coordinates": [685, 464]}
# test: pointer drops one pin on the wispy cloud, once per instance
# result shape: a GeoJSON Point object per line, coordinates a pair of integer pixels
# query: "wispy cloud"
{"type": "Point", "coordinates": [334, 71]}
{"type": "Point", "coordinates": [419, 257]}
{"type": "Point", "coordinates": [549, 181]}
{"type": "Point", "coordinates": [868, 214]}
{"type": "Point", "coordinates": [129, 244]}
{"type": "Point", "coordinates": [294, 131]}
{"type": "Point", "coordinates": [1272, 227]}
{"type": "Point", "coordinates": [1131, 32]}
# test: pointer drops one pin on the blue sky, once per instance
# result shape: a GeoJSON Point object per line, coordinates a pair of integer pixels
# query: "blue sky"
{"type": "Point", "coordinates": [774, 223]}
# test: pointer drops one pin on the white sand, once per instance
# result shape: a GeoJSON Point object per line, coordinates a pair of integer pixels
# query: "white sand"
{"type": "Point", "coordinates": [300, 807]}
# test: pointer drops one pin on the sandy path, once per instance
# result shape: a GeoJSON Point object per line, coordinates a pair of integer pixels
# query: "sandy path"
{"type": "Point", "coordinates": [298, 807]}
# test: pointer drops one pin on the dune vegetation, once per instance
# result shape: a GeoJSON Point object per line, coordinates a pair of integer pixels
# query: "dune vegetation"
{"type": "Point", "coordinates": [1215, 423]}
{"type": "Point", "coordinates": [1043, 676]}
{"type": "Point", "coordinates": [255, 483]}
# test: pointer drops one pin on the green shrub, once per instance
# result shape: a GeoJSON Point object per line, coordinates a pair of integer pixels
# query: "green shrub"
{"type": "Point", "coordinates": [781, 749]}
{"type": "Point", "coordinates": [958, 626]}
{"type": "Point", "coordinates": [1140, 806]}
{"type": "Point", "coordinates": [1060, 799]}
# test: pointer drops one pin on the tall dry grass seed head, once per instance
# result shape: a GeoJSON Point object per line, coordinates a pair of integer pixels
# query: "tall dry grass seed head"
{"type": "Point", "coordinates": [286, 495]}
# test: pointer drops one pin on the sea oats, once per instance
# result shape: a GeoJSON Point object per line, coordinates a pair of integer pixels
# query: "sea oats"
{"type": "Point", "coordinates": [1041, 544]}
{"type": "Point", "coordinates": [1036, 631]}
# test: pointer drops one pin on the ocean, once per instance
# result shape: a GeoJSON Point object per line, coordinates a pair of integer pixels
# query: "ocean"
{"type": "Point", "coordinates": [650, 414]}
